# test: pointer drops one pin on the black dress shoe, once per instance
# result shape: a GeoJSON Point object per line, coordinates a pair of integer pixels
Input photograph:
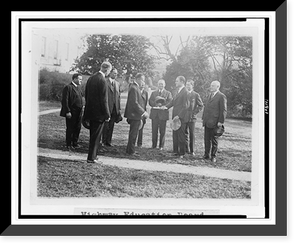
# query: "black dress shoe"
{"type": "Point", "coordinates": [205, 157]}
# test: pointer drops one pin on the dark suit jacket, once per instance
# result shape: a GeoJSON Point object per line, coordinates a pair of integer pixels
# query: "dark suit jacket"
{"type": "Point", "coordinates": [96, 98]}
{"type": "Point", "coordinates": [71, 98]}
{"type": "Point", "coordinates": [113, 95]}
{"type": "Point", "coordinates": [180, 105]}
{"type": "Point", "coordinates": [196, 105]}
{"type": "Point", "coordinates": [215, 110]}
{"type": "Point", "coordinates": [161, 114]}
{"type": "Point", "coordinates": [134, 106]}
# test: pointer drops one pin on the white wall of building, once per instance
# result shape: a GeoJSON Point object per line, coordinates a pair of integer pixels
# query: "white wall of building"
{"type": "Point", "coordinates": [57, 49]}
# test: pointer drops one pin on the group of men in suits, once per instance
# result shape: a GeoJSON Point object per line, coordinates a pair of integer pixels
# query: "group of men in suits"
{"type": "Point", "coordinates": [102, 111]}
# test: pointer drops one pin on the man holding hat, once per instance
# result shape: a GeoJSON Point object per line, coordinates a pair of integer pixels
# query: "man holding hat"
{"type": "Point", "coordinates": [214, 115]}
{"type": "Point", "coordinates": [158, 116]}
{"type": "Point", "coordinates": [180, 104]}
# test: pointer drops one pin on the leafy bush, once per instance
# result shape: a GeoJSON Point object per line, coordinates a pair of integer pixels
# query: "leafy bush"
{"type": "Point", "coordinates": [51, 84]}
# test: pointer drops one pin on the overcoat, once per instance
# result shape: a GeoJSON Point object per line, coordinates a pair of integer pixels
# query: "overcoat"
{"type": "Point", "coordinates": [215, 110]}
{"type": "Point", "coordinates": [96, 97]}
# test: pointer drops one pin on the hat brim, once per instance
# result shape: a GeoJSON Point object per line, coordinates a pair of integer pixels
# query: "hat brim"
{"type": "Point", "coordinates": [218, 131]}
{"type": "Point", "coordinates": [175, 124]}
{"type": "Point", "coordinates": [86, 123]}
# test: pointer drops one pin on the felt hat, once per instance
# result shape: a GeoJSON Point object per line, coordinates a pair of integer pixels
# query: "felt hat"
{"type": "Point", "coordinates": [85, 123]}
{"type": "Point", "coordinates": [160, 99]}
{"type": "Point", "coordinates": [219, 130]}
{"type": "Point", "coordinates": [175, 124]}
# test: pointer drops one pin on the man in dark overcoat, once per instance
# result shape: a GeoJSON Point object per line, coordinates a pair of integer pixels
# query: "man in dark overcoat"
{"type": "Point", "coordinates": [96, 109]}
{"type": "Point", "coordinates": [214, 115]}
{"type": "Point", "coordinates": [134, 112]}
{"type": "Point", "coordinates": [180, 104]}
{"type": "Point", "coordinates": [144, 94]}
{"type": "Point", "coordinates": [195, 107]}
{"type": "Point", "coordinates": [114, 105]}
{"type": "Point", "coordinates": [71, 109]}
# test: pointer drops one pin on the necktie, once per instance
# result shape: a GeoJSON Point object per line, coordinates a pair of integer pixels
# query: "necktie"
{"type": "Point", "coordinates": [159, 93]}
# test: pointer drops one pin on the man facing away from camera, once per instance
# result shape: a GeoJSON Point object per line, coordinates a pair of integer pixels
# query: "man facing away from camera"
{"type": "Point", "coordinates": [134, 112]}
{"type": "Point", "coordinates": [96, 108]}
{"type": "Point", "coordinates": [158, 116]}
{"type": "Point", "coordinates": [72, 110]}
{"type": "Point", "coordinates": [214, 115]}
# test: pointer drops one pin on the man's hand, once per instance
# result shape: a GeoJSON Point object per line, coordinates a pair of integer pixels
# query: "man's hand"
{"type": "Point", "coordinates": [107, 120]}
{"type": "Point", "coordinates": [220, 124]}
{"type": "Point", "coordinates": [176, 117]}
{"type": "Point", "coordinates": [164, 108]}
{"type": "Point", "coordinates": [145, 115]}
{"type": "Point", "coordinates": [69, 115]}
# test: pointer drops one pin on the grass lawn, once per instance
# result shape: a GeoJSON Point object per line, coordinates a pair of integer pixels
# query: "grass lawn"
{"type": "Point", "coordinates": [234, 146]}
{"type": "Point", "coordinates": [65, 178]}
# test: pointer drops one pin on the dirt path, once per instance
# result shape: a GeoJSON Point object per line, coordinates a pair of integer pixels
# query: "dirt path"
{"type": "Point", "coordinates": [151, 166]}
{"type": "Point", "coordinates": [49, 111]}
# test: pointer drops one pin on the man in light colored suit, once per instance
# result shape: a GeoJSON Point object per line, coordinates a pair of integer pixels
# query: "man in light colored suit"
{"type": "Point", "coordinates": [159, 117]}
{"type": "Point", "coordinates": [113, 92]}
{"type": "Point", "coordinates": [180, 104]}
{"type": "Point", "coordinates": [214, 115]}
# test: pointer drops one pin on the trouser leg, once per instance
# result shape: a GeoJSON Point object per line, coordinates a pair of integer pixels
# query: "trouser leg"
{"type": "Point", "coordinates": [182, 137]}
{"type": "Point", "coordinates": [154, 125]}
{"type": "Point", "coordinates": [192, 136]}
{"type": "Point", "coordinates": [207, 141]}
{"type": "Point", "coordinates": [133, 132]}
{"type": "Point", "coordinates": [76, 126]}
{"type": "Point", "coordinates": [162, 133]}
{"type": "Point", "coordinates": [95, 134]}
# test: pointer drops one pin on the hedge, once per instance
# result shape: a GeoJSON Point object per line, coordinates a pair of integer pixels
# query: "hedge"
{"type": "Point", "coordinates": [51, 84]}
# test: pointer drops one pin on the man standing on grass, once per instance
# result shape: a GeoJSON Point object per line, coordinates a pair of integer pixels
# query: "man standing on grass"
{"type": "Point", "coordinates": [134, 112]}
{"type": "Point", "coordinates": [158, 116]}
{"type": "Point", "coordinates": [114, 107]}
{"type": "Point", "coordinates": [214, 115]}
{"type": "Point", "coordinates": [144, 94]}
{"type": "Point", "coordinates": [72, 110]}
{"type": "Point", "coordinates": [96, 110]}
{"type": "Point", "coordinates": [195, 106]}
{"type": "Point", "coordinates": [180, 104]}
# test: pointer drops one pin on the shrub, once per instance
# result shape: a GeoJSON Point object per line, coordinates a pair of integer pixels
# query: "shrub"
{"type": "Point", "coordinates": [51, 84]}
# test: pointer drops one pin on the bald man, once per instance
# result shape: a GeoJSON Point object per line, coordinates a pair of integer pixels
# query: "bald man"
{"type": "Point", "coordinates": [214, 115]}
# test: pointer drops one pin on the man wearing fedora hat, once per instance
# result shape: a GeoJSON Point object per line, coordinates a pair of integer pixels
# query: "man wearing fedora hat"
{"type": "Point", "coordinates": [214, 115]}
{"type": "Point", "coordinates": [158, 116]}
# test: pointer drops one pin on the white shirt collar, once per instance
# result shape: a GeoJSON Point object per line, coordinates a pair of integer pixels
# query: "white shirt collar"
{"type": "Point", "coordinates": [74, 84]}
{"type": "Point", "coordinates": [102, 73]}
{"type": "Point", "coordinates": [180, 89]}
{"type": "Point", "coordinates": [214, 93]}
